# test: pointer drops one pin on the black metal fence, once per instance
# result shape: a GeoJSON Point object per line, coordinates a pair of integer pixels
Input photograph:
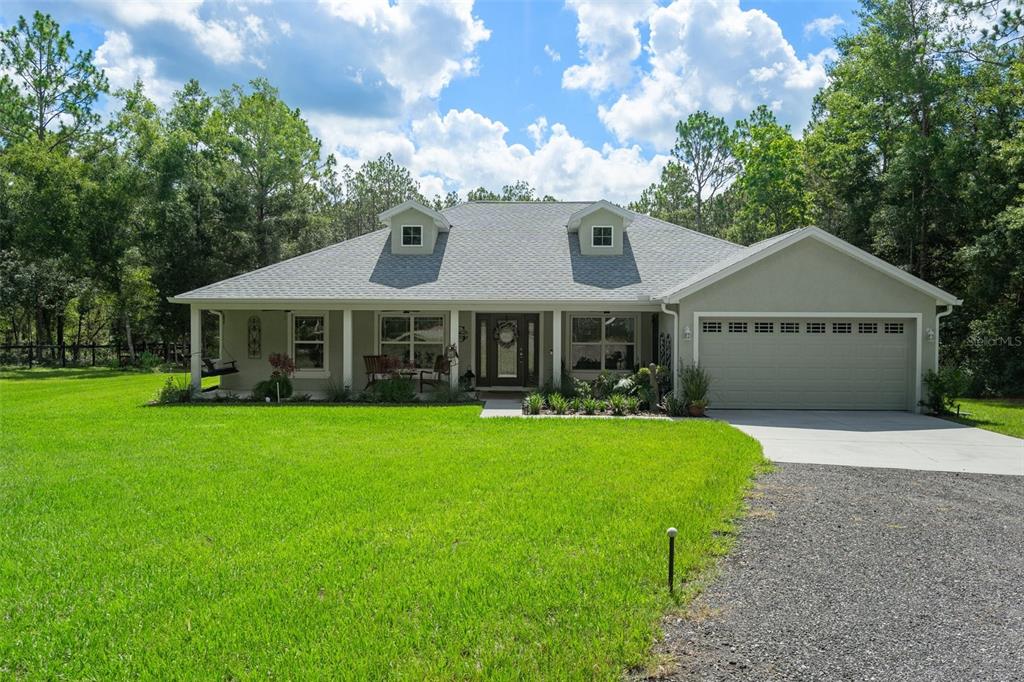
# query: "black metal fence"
{"type": "Point", "coordinates": [93, 354]}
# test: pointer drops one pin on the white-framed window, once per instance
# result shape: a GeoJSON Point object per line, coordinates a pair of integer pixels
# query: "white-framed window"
{"type": "Point", "coordinates": [603, 341]}
{"type": "Point", "coordinates": [307, 338]}
{"type": "Point", "coordinates": [601, 235]}
{"type": "Point", "coordinates": [789, 327]}
{"type": "Point", "coordinates": [737, 327]}
{"type": "Point", "coordinates": [764, 327]}
{"type": "Point", "coordinates": [711, 327]}
{"type": "Point", "coordinates": [842, 328]}
{"type": "Point", "coordinates": [411, 340]}
{"type": "Point", "coordinates": [867, 327]}
{"type": "Point", "coordinates": [815, 327]}
{"type": "Point", "coordinates": [412, 235]}
{"type": "Point", "coordinates": [893, 327]}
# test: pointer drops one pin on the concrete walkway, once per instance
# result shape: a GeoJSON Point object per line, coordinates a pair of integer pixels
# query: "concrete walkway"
{"type": "Point", "coordinates": [897, 440]}
{"type": "Point", "coordinates": [502, 405]}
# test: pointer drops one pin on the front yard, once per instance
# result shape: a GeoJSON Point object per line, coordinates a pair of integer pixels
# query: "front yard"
{"type": "Point", "coordinates": [360, 542]}
{"type": "Point", "coordinates": [1002, 415]}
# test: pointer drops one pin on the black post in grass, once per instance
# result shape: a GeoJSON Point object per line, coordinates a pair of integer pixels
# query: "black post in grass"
{"type": "Point", "coordinates": [672, 559]}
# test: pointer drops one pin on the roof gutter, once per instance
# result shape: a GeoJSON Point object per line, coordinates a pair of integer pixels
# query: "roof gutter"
{"type": "Point", "coordinates": [675, 346]}
{"type": "Point", "coordinates": [938, 322]}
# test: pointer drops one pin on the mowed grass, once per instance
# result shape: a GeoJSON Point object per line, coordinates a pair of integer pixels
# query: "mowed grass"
{"type": "Point", "coordinates": [348, 542]}
{"type": "Point", "coordinates": [1004, 415]}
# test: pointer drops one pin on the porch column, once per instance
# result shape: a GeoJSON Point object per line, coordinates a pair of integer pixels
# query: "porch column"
{"type": "Point", "coordinates": [346, 348]}
{"type": "Point", "coordinates": [196, 347]}
{"type": "Point", "coordinates": [556, 348]}
{"type": "Point", "coordinates": [453, 340]}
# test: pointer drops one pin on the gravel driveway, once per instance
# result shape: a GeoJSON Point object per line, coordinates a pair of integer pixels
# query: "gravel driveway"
{"type": "Point", "coordinates": [847, 573]}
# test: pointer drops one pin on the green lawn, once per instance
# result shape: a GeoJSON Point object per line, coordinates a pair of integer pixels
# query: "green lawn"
{"type": "Point", "coordinates": [1005, 415]}
{"type": "Point", "coordinates": [357, 542]}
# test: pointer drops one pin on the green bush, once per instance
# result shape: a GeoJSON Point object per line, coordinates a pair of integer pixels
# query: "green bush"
{"type": "Point", "coordinates": [445, 394]}
{"type": "Point", "coordinates": [392, 390]}
{"type": "Point", "coordinates": [533, 403]}
{"type": "Point", "coordinates": [675, 407]}
{"type": "Point", "coordinates": [581, 389]}
{"type": "Point", "coordinates": [592, 405]}
{"type": "Point", "coordinates": [695, 383]}
{"type": "Point", "coordinates": [944, 387]}
{"type": "Point", "coordinates": [338, 393]}
{"type": "Point", "coordinates": [269, 389]}
{"type": "Point", "coordinates": [175, 390]}
{"type": "Point", "coordinates": [632, 404]}
{"type": "Point", "coordinates": [559, 403]}
{"type": "Point", "coordinates": [576, 404]}
{"type": "Point", "coordinates": [148, 361]}
{"type": "Point", "coordinates": [618, 404]}
{"type": "Point", "coordinates": [605, 384]}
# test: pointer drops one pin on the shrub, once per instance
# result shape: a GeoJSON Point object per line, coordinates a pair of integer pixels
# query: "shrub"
{"type": "Point", "coordinates": [581, 389]}
{"type": "Point", "coordinates": [533, 403]}
{"type": "Point", "coordinates": [695, 383]}
{"type": "Point", "coordinates": [148, 361]}
{"type": "Point", "coordinates": [338, 393]}
{"type": "Point", "coordinates": [605, 383]}
{"type": "Point", "coordinates": [444, 393]}
{"type": "Point", "coordinates": [675, 407]}
{"type": "Point", "coordinates": [393, 390]}
{"type": "Point", "coordinates": [175, 390]}
{"type": "Point", "coordinates": [559, 403]}
{"type": "Point", "coordinates": [592, 405]}
{"type": "Point", "coordinates": [617, 402]}
{"type": "Point", "coordinates": [576, 404]}
{"type": "Point", "coordinates": [944, 387]}
{"type": "Point", "coordinates": [632, 404]}
{"type": "Point", "coordinates": [277, 386]}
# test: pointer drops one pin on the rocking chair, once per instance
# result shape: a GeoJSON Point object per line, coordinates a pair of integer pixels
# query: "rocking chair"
{"type": "Point", "coordinates": [377, 367]}
{"type": "Point", "coordinates": [210, 370]}
{"type": "Point", "coordinates": [437, 376]}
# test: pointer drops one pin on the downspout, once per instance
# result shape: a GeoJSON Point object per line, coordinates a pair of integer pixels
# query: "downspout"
{"type": "Point", "coordinates": [938, 321]}
{"type": "Point", "coordinates": [675, 347]}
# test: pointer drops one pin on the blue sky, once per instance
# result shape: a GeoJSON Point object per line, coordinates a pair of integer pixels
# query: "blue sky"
{"type": "Point", "coordinates": [578, 97]}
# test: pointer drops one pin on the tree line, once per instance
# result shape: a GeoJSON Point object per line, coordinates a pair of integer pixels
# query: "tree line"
{"type": "Point", "coordinates": [914, 152]}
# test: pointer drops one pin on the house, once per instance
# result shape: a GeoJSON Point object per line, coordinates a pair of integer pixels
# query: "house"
{"type": "Point", "coordinates": [525, 291]}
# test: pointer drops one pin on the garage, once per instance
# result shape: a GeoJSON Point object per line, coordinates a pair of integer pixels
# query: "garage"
{"type": "Point", "coordinates": [808, 363]}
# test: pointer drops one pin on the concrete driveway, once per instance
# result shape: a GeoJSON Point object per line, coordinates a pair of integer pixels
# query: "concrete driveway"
{"type": "Point", "coordinates": [896, 440]}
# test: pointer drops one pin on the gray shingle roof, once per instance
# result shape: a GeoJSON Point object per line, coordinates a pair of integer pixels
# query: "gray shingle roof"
{"type": "Point", "coordinates": [494, 251]}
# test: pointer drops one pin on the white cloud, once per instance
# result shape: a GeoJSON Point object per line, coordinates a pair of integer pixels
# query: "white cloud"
{"type": "Point", "coordinates": [710, 54]}
{"type": "Point", "coordinates": [464, 149]}
{"type": "Point", "coordinates": [609, 42]}
{"type": "Point", "coordinates": [552, 53]}
{"type": "Point", "coordinates": [421, 47]}
{"type": "Point", "coordinates": [824, 26]}
{"type": "Point", "coordinates": [285, 27]}
{"type": "Point", "coordinates": [116, 56]}
{"type": "Point", "coordinates": [221, 41]}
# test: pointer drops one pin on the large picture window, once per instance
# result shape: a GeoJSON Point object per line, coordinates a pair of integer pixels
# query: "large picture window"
{"type": "Point", "coordinates": [601, 342]}
{"type": "Point", "coordinates": [412, 340]}
{"type": "Point", "coordinates": [309, 343]}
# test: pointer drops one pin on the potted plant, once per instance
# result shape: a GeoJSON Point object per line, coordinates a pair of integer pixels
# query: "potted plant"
{"type": "Point", "coordinates": [695, 383]}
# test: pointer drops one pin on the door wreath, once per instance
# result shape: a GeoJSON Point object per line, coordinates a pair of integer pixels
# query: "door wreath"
{"type": "Point", "coordinates": [506, 334]}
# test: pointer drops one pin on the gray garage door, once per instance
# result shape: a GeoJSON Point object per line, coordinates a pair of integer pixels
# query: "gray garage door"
{"type": "Point", "coordinates": [827, 363]}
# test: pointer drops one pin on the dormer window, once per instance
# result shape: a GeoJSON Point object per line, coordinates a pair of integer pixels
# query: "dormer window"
{"type": "Point", "coordinates": [412, 235]}
{"type": "Point", "coordinates": [602, 236]}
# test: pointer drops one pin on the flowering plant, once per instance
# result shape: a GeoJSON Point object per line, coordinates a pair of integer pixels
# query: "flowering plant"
{"type": "Point", "coordinates": [283, 365]}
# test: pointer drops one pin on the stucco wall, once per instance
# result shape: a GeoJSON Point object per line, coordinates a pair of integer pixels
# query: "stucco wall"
{"type": "Point", "coordinates": [411, 216]}
{"type": "Point", "coordinates": [601, 216]}
{"type": "Point", "coordinates": [813, 277]}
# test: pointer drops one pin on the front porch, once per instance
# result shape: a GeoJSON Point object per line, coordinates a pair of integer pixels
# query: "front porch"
{"type": "Point", "coordinates": [511, 350]}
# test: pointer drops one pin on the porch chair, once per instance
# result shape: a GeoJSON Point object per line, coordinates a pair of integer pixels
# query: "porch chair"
{"type": "Point", "coordinates": [438, 375]}
{"type": "Point", "coordinates": [377, 367]}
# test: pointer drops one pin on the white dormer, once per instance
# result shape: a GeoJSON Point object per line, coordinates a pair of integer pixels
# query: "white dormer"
{"type": "Point", "coordinates": [414, 227]}
{"type": "Point", "coordinates": [601, 227]}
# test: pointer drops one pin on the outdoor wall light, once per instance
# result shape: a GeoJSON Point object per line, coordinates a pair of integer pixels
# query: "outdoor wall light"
{"type": "Point", "coordinates": [687, 333]}
{"type": "Point", "coordinates": [930, 333]}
